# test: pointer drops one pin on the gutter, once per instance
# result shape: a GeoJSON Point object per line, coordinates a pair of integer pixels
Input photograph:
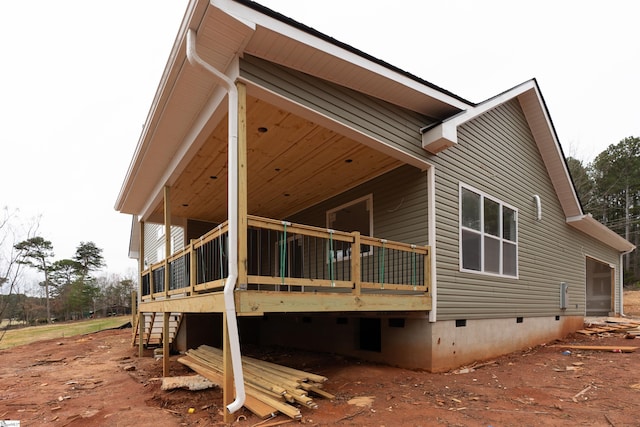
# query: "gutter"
{"type": "Point", "coordinates": [232, 213]}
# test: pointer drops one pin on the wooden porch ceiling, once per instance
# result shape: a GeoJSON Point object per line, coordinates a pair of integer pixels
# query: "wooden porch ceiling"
{"type": "Point", "coordinates": [292, 164]}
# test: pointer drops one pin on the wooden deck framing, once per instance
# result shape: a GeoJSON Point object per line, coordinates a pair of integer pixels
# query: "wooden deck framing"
{"type": "Point", "coordinates": [257, 303]}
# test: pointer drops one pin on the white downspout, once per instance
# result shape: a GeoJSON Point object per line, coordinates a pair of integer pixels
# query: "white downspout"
{"type": "Point", "coordinates": [431, 217]}
{"type": "Point", "coordinates": [229, 286]}
{"type": "Point", "coordinates": [622, 254]}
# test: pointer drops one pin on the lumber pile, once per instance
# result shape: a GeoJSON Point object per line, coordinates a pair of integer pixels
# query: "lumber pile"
{"type": "Point", "coordinates": [612, 325]}
{"type": "Point", "coordinates": [269, 387]}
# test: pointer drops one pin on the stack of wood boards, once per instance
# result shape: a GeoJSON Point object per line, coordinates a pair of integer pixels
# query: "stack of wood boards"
{"type": "Point", "coordinates": [269, 387]}
{"type": "Point", "coordinates": [612, 325]}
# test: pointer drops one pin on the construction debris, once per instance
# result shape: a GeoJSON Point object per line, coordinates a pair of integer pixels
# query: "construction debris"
{"type": "Point", "coordinates": [611, 325]}
{"type": "Point", "coordinates": [611, 348]}
{"type": "Point", "coordinates": [575, 398]}
{"type": "Point", "coordinates": [190, 382]}
{"type": "Point", "coordinates": [472, 368]}
{"type": "Point", "coordinates": [269, 387]}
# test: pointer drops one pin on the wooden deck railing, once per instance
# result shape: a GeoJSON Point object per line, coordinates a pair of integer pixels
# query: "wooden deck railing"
{"type": "Point", "coordinates": [293, 257]}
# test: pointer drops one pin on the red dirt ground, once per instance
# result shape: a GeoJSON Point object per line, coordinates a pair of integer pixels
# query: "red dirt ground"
{"type": "Point", "coordinates": [98, 380]}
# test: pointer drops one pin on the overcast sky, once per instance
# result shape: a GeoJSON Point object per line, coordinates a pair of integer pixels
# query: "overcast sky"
{"type": "Point", "coordinates": [77, 80]}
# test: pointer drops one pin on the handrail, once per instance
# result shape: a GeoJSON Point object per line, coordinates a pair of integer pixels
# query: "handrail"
{"type": "Point", "coordinates": [309, 230]}
{"type": "Point", "coordinates": [367, 263]}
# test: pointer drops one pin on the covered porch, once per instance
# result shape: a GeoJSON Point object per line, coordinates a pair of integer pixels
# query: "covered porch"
{"type": "Point", "coordinates": [246, 186]}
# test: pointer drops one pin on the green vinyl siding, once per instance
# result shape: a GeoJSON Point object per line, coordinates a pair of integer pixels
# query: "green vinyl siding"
{"type": "Point", "coordinates": [152, 242]}
{"type": "Point", "coordinates": [497, 155]}
{"type": "Point", "coordinates": [399, 206]}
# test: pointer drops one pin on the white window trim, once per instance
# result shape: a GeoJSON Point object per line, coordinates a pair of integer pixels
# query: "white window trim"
{"type": "Point", "coordinates": [369, 199]}
{"type": "Point", "coordinates": [484, 195]}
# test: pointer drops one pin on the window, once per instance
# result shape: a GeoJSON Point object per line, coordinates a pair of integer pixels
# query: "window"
{"type": "Point", "coordinates": [160, 251]}
{"type": "Point", "coordinates": [488, 234]}
{"type": "Point", "coordinates": [353, 216]}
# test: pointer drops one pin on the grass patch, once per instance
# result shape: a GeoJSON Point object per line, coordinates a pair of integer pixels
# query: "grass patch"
{"type": "Point", "coordinates": [15, 337]}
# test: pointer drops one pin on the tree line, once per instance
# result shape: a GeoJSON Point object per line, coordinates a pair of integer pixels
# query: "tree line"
{"type": "Point", "coordinates": [609, 189]}
{"type": "Point", "coordinates": [71, 288]}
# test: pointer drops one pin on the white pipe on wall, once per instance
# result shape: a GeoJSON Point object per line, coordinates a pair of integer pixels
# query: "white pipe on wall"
{"type": "Point", "coordinates": [232, 213]}
{"type": "Point", "coordinates": [536, 199]}
{"type": "Point", "coordinates": [621, 266]}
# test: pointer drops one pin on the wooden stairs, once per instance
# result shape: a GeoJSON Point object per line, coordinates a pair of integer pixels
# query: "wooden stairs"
{"type": "Point", "coordinates": [152, 329]}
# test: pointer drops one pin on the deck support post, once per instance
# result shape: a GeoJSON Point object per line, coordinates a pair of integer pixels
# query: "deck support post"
{"type": "Point", "coordinates": [167, 239]}
{"type": "Point", "coordinates": [167, 254]}
{"type": "Point", "coordinates": [165, 343]}
{"type": "Point", "coordinates": [140, 270]}
{"type": "Point", "coordinates": [141, 325]}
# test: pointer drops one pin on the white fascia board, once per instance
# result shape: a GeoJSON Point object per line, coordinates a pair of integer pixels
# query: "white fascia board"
{"type": "Point", "coordinates": [590, 226]}
{"type": "Point", "coordinates": [194, 13]}
{"type": "Point", "coordinates": [241, 11]}
{"type": "Point", "coordinates": [555, 151]}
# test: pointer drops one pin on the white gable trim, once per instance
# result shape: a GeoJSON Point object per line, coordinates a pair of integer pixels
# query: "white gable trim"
{"type": "Point", "coordinates": [445, 135]}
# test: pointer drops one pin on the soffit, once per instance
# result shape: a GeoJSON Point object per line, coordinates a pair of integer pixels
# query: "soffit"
{"type": "Point", "coordinates": [280, 49]}
{"type": "Point", "coordinates": [177, 109]}
{"type": "Point", "coordinates": [292, 44]}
